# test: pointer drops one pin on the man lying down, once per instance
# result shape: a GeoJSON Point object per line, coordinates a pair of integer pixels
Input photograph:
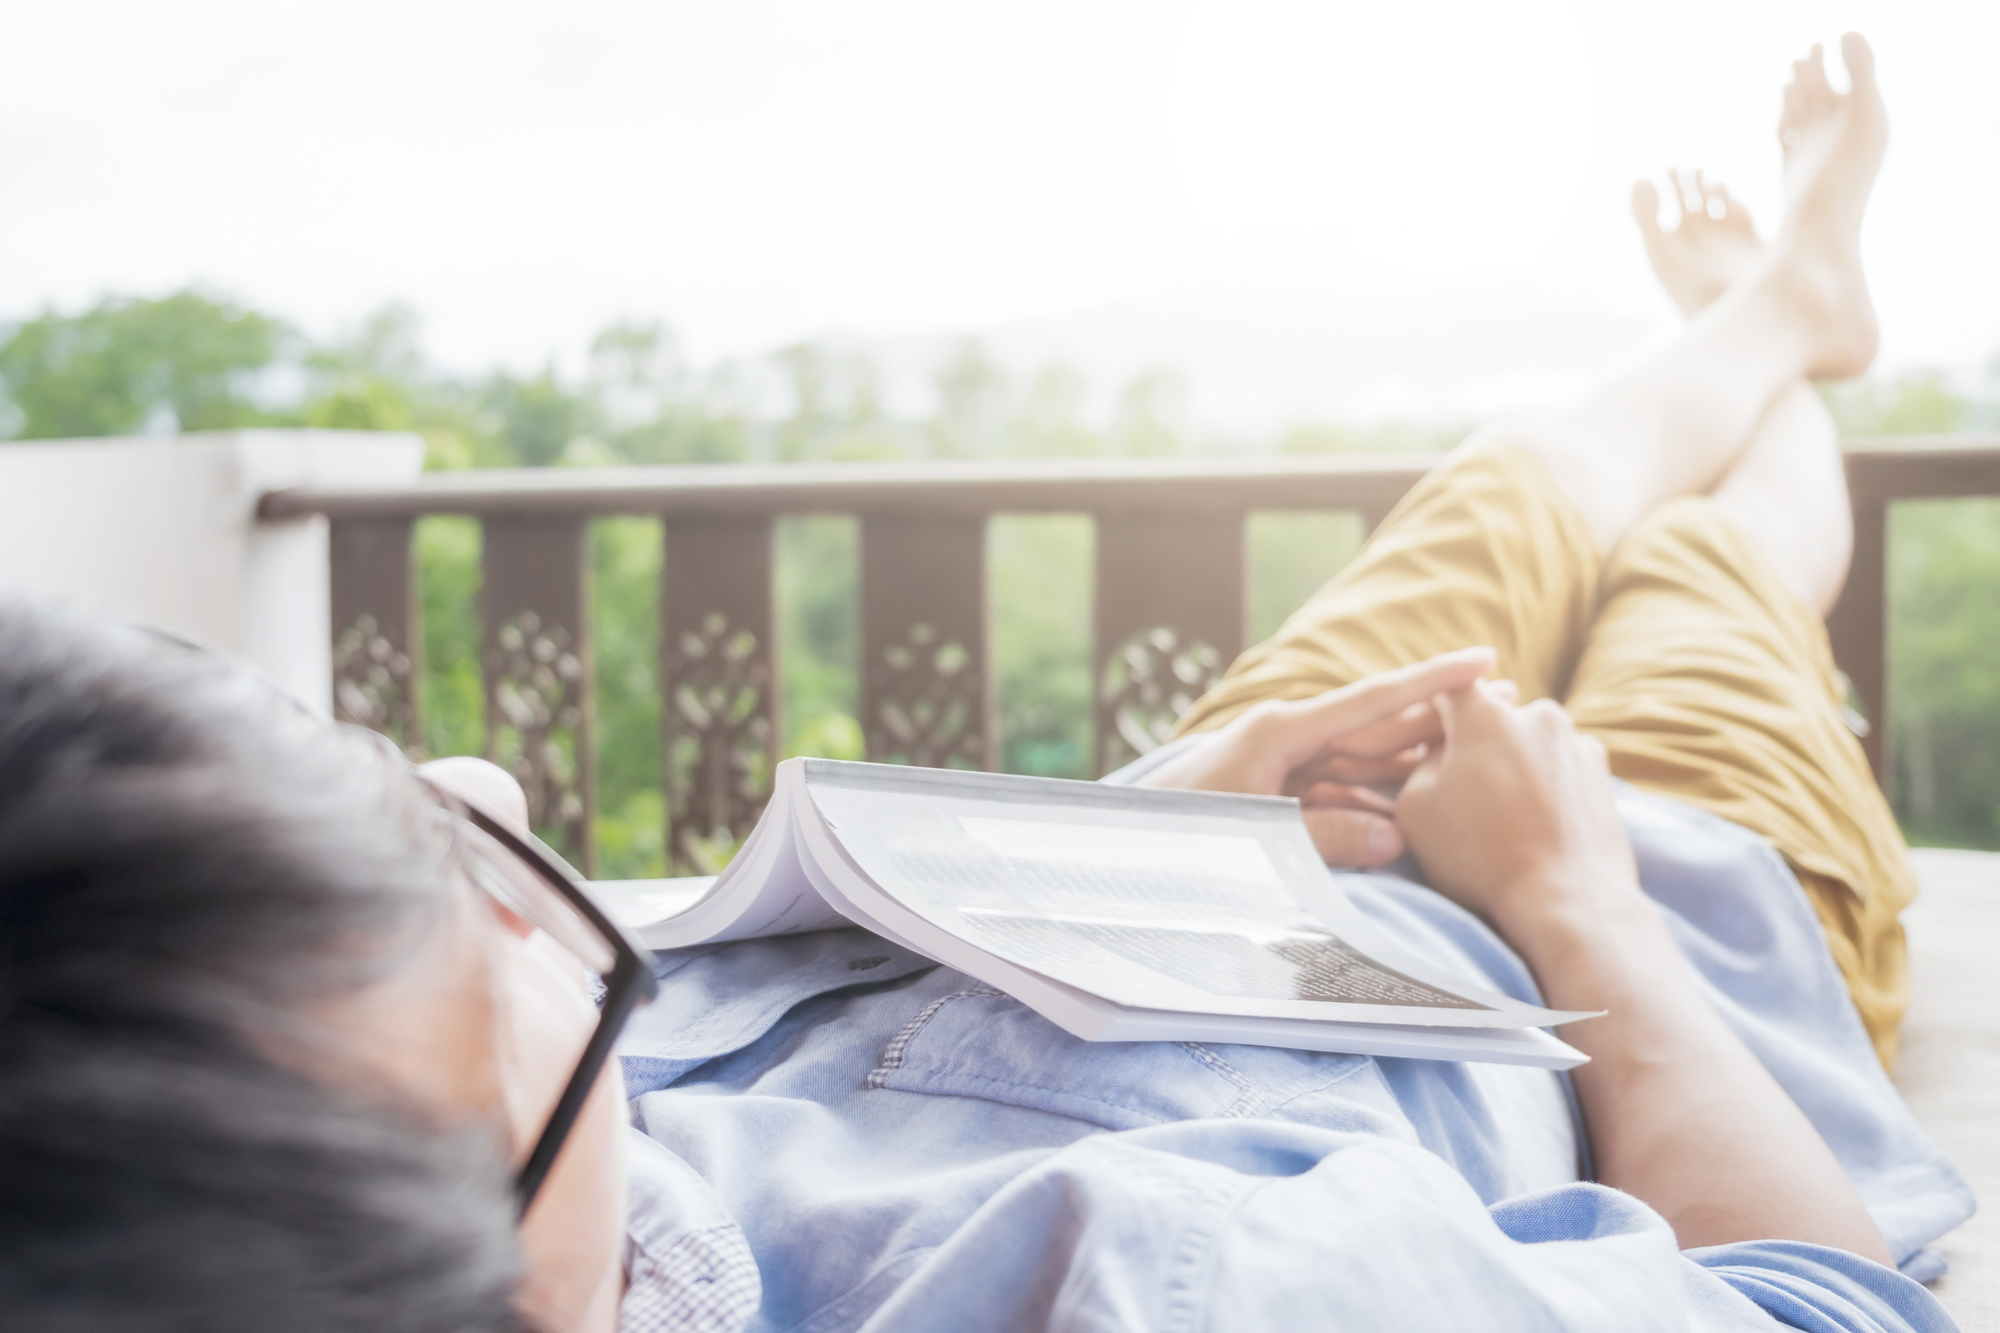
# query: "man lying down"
{"type": "Point", "coordinates": [274, 1050]}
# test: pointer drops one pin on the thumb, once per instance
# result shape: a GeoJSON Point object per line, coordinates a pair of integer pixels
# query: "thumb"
{"type": "Point", "coordinates": [1353, 837]}
{"type": "Point", "coordinates": [1477, 707]}
{"type": "Point", "coordinates": [1451, 706]}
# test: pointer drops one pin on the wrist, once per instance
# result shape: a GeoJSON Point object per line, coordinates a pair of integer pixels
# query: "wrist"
{"type": "Point", "coordinates": [1560, 921]}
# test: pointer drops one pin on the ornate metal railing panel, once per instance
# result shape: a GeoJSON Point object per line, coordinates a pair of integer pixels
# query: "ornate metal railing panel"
{"type": "Point", "coordinates": [535, 659]}
{"type": "Point", "coordinates": [1169, 591]}
{"type": "Point", "coordinates": [1169, 620]}
{"type": "Point", "coordinates": [926, 695]}
{"type": "Point", "coordinates": [720, 705]}
{"type": "Point", "coordinates": [376, 643]}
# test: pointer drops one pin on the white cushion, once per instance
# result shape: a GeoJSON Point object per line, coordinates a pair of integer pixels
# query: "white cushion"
{"type": "Point", "coordinates": [1949, 1069]}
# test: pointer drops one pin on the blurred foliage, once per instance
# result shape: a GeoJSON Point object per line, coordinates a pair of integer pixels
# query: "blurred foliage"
{"type": "Point", "coordinates": [1944, 710]}
{"type": "Point", "coordinates": [1291, 556]}
{"type": "Point", "coordinates": [194, 360]}
{"type": "Point", "coordinates": [818, 581]}
{"type": "Point", "coordinates": [188, 361]}
{"type": "Point", "coordinates": [625, 641]}
{"type": "Point", "coordinates": [1327, 437]}
{"type": "Point", "coordinates": [1039, 569]}
{"type": "Point", "coordinates": [1921, 402]}
{"type": "Point", "coordinates": [453, 697]}
{"type": "Point", "coordinates": [1944, 617]}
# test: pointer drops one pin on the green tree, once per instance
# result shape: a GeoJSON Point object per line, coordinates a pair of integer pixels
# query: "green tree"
{"type": "Point", "coordinates": [974, 401]}
{"type": "Point", "coordinates": [1944, 588]}
{"type": "Point", "coordinates": [1050, 419]}
{"type": "Point", "coordinates": [1039, 572]}
{"type": "Point", "coordinates": [1328, 437]}
{"type": "Point", "coordinates": [625, 642]}
{"type": "Point", "coordinates": [1944, 698]}
{"type": "Point", "coordinates": [836, 407]}
{"type": "Point", "coordinates": [375, 379]}
{"type": "Point", "coordinates": [448, 551]}
{"type": "Point", "coordinates": [187, 361]}
{"type": "Point", "coordinates": [1153, 414]}
{"type": "Point", "coordinates": [818, 581]}
{"type": "Point", "coordinates": [535, 420]}
{"type": "Point", "coordinates": [1920, 402]}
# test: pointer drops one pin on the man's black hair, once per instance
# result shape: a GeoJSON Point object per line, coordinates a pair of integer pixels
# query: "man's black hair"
{"type": "Point", "coordinates": [188, 862]}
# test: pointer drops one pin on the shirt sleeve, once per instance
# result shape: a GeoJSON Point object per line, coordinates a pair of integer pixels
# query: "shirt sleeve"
{"type": "Point", "coordinates": [688, 1267]}
{"type": "Point", "coordinates": [1822, 1290]}
{"type": "Point", "coordinates": [1258, 1225]}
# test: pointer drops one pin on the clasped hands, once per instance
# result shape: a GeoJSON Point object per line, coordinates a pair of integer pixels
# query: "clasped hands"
{"type": "Point", "coordinates": [1507, 807]}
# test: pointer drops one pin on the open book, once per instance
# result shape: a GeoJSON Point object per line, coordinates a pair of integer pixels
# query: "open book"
{"type": "Point", "coordinates": [1118, 913]}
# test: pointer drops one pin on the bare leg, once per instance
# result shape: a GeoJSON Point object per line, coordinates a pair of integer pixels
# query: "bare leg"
{"type": "Point", "coordinates": [1678, 423]}
{"type": "Point", "coordinates": [1787, 490]}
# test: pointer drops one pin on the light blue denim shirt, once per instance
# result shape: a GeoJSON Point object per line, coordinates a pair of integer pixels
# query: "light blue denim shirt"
{"type": "Point", "coordinates": [839, 1134]}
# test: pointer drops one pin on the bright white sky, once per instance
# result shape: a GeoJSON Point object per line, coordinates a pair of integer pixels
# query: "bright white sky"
{"type": "Point", "coordinates": [1310, 206]}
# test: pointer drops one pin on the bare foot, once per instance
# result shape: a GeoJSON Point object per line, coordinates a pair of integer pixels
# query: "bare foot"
{"type": "Point", "coordinates": [1711, 246]}
{"type": "Point", "coordinates": [1833, 147]}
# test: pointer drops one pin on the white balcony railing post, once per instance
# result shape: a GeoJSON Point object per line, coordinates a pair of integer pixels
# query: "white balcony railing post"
{"type": "Point", "coordinates": [166, 530]}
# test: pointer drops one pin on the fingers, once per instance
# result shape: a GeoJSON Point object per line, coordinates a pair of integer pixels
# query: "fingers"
{"type": "Point", "coordinates": [486, 785]}
{"type": "Point", "coordinates": [1347, 770]}
{"type": "Point", "coordinates": [1415, 725]}
{"type": "Point", "coordinates": [1312, 723]}
{"type": "Point", "coordinates": [1472, 710]}
{"type": "Point", "coordinates": [1353, 838]}
{"type": "Point", "coordinates": [1346, 796]}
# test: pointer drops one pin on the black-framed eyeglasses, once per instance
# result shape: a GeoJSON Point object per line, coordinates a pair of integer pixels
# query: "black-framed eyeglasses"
{"type": "Point", "coordinates": [522, 872]}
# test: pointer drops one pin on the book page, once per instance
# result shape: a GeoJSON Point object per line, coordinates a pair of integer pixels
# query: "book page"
{"type": "Point", "coordinates": [764, 891]}
{"type": "Point", "coordinates": [1209, 907]}
{"type": "Point", "coordinates": [1156, 899]}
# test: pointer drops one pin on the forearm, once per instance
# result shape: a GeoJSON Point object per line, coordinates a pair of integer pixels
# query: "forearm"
{"type": "Point", "coordinates": [1679, 1112]}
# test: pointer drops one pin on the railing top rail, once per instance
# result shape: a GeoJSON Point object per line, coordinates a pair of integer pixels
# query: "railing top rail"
{"type": "Point", "coordinates": [1914, 467]}
{"type": "Point", "coordinates": [1888, 467]}
{"type": "Point", "coordinates": [1954, 445]}
{"type": "Point", "coordinates": [969, 486]}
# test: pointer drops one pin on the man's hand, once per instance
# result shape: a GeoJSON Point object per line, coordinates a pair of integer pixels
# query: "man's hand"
{"type": "Point", "coordinates": [1334, 752]}
{"type": "Point", "coordinates": [1513, 814]}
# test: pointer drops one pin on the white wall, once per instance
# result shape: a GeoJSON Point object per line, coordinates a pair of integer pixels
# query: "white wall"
{"type": "Point", "coordinates": [164, 530]}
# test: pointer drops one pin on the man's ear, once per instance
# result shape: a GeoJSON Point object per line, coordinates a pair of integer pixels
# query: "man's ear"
{"type": "Point", "coordinates": [510, 920]}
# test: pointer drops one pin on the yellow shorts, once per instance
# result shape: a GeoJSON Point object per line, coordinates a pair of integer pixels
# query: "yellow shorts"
{"type": "Point", "coordinates": [1707, 679]}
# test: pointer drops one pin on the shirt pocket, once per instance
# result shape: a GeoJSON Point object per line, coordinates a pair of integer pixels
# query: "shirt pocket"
{"type": "Point", "coordinates": [714, 1001]}
{"type": "Point", "coordinates": [978, 1042]}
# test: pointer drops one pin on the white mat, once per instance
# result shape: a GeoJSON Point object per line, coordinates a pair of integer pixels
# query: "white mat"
{"type": "Point", "coordinates": [1949, 1069]}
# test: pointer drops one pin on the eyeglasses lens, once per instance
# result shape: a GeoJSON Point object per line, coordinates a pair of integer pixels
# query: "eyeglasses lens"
{"type": "Point", "coordinates": [508, 880]}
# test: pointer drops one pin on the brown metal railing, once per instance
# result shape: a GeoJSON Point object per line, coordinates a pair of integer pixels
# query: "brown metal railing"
{"type": "Point", "coordinates": [1170, 598]}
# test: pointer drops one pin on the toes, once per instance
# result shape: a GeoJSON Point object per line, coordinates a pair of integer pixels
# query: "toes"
{"type": "Point", "coordinates": [1714, 202]}
{"type": "Point", "coordinates": [1791, 120]}
{"type": "Point", "coordinates": [1735, 216]}
{"type": "Point", "coordinates": [1687, 196]}
{"type": "Point", "coordinates": [1859, 58]}
{"type": "Point", "coordinates": [1646, 208]}
{"type": "Point", "coordinates": [1813, 83]}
